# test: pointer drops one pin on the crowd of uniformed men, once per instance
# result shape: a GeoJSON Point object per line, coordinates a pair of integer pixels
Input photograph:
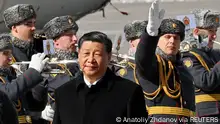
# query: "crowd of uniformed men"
{"type": "Point", "coordinates": [163, 81]}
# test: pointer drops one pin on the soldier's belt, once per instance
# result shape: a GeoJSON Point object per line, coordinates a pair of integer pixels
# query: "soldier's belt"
{"type": "Point", "coordinates": [24, 119]}
{"type": "Point", "coordinates": [207, 98]}
{"type": "Point", "coordinates": [159, 110]}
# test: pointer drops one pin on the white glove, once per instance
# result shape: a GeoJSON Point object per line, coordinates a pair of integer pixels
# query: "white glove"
{"type": "Point", "coordinates": [38, 62]}
{"type": "Point", "coordinates": [47, 113]}
{"type": "Point", "coordinates": [155, 18]}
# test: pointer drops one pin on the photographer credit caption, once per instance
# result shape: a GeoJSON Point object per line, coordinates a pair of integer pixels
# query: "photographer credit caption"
{"type": "Point", "coordinates": [168, 120]}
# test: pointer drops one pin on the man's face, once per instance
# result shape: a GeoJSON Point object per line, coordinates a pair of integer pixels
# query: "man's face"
{"type": "Point", "coordinates": [5, 57]}
{"type": "Point", "coordinates": [169, 43]}
{"type": "Point", "coordinates": [93, 59]}
{"type": "Point", "coordinates": [25, 30]}
{"type": "Point", "coordinates": [133, 46]}
{"type": "Point", "coordinates": [66, 41]}
{"type": "Point", "coordinates": [134, 43]}
{"type": "Point", "coordinates": [211, 35]}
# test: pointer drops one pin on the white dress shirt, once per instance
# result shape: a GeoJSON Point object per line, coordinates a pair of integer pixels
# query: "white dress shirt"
{"type": "Point", "coordinates": [90, 84]}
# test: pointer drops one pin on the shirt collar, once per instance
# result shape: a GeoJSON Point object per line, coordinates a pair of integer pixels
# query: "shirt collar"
{"type": "Point", "coordinates": [88, 83]}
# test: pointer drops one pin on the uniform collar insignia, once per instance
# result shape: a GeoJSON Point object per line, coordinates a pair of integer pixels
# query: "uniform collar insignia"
{"type": "Point", "coordinates": [188, 62]}
{"type": "Point", "coordinates": [122, 72]}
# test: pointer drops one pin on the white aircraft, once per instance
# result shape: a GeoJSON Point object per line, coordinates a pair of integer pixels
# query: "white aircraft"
{"type": "Point", "coordinates": [48, 9]}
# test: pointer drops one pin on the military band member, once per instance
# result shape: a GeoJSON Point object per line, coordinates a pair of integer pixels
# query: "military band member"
{"type": "Point", "coordinates": [133, 32]}
{"type": "Point", "coordinates": [21, 19]}
{"type": "Point", "coordinates": [202, 62]}
{"type": "Point", "coordinates": [8, 112]}
{"type": "Point", "coordinates": [63, 31]}
{"type": "Point", "coordinates": [167, 85]}
{"type": "Point", "coordinates": [15, 87]}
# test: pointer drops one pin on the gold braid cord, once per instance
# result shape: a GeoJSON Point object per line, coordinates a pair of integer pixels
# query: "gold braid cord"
{"type": "Point", "coordinates": [201, 60]}
{"type": "Point", "coordinates": [18, 104]}
{"type": "Point", "coordinates": [64, 67]}
{"type": "Point", "coordinates": [163, 82]}
{"type": "Point", "coordinates": [51, 97]}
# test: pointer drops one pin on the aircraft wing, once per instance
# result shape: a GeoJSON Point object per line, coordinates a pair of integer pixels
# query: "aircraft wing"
{"type": "Point", "coordinates": [48, 9]}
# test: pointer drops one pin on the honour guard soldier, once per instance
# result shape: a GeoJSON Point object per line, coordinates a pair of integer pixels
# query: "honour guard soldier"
{"type": "Point", "coordinates": [167, 85]}
{"type": "Point", "coordinates": [14, 87]}
{"type": "Point", "coordinates": [133, 33]}
{"type": "Point", "coordinates": [21, 19]}
{"type": "Point", "coordinates": [202, 62]}
{"type": "Point", "coordinates": [63, 31]}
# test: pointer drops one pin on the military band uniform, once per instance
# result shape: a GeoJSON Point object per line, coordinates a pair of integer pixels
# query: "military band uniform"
{"type": "Point", "coordinates": [57, 80]}
{"type": "Point", "coordinates": [206, 78]}
{"type": "Point", "coordinates": [54, 29]}
{"type": "Point", "coordinates": [167, 85]}
{"type": "Point", "coordinates": [126, 72]}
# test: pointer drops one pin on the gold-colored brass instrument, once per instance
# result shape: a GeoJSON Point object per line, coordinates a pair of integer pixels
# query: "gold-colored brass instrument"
{"type": "Point", "coordinates": [17, 65]}
{"type": "Point", "coordinates": [38, 36]}
{"type": "Point", "coordinates": [120, 60]}
{"type": "Point", "coordinates": [115, 63]}
{"type": "Point", "coordinates": [124, 56]}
